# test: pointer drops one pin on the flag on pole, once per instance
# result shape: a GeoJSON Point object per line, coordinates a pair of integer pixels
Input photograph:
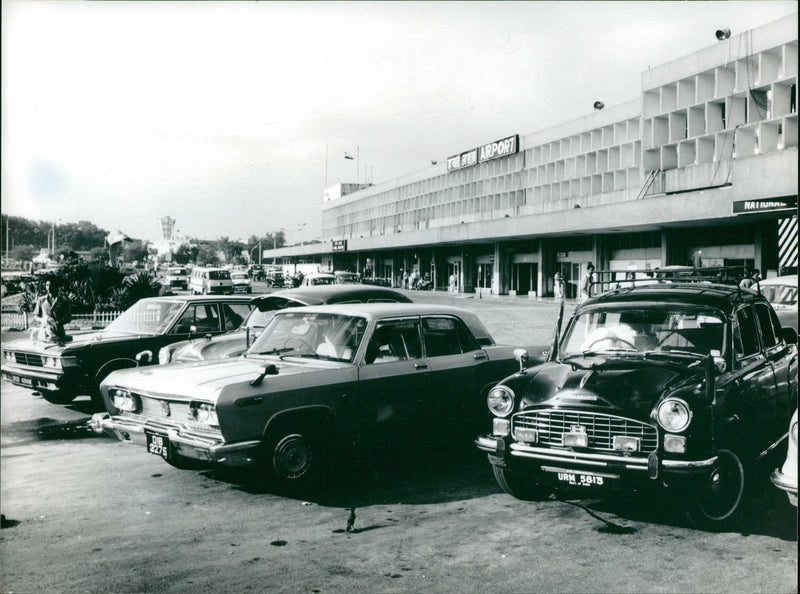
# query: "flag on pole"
{"type": "Point", "coordinates": [348, 156]}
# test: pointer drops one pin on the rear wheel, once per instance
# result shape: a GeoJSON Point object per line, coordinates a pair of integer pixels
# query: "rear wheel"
{"type": "Point", "coordinates": [720, 499]}
{"type": "Point", "coordinates": [520, 485]}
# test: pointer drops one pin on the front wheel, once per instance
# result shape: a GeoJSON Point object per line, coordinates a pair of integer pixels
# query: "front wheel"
{"type": "Point", "coordinates": [520, 485]}
{"type": "Point", "coordinates": [293, 459]}
{"type": "Point", "coordinates": [719, 501]}
{"type": "Point", "coordinates": [57, 397]}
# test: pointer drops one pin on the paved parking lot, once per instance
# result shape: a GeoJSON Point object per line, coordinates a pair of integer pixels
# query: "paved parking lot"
{"type": "Point", "coordinates": [83, 513]}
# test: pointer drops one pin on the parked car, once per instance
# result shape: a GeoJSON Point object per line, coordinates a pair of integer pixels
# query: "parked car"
{"type": "Point", "coordinates": [177, 277]}
{"type": "Point", "coordinates": [318, 278]}
{"type": "Point", "coordinates": [237, 342]}
{"type": "Point", "coordinates": [317, 380]}
{"type": "Point", "coordinates": [344, 277]}
{"type": "Point", "coordinates": [62, 372]}
{"type": "Point", "coordinates": [678, 385]}
{"type": "Point", "coordinates": [785, 477]}
{"type": "Point", "coordinates": [241, 282]}
{"type": "Point", "coordinates": [781, 292]}
{"type": "Point", "coordinates": [274, 277]}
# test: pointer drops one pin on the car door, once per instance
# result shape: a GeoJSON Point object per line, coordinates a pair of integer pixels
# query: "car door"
{"type": "Point", "coordinates": [782, 358]}
{"type": "Point", "coordinates": [393, 379]}
{"type": "Point", "coordinates": [751, 410]}
{"type": "Point", "coordinates": [454, 359]}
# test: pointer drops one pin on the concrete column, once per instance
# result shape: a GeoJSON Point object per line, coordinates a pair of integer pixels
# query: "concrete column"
{"type": "Point", "coordinates": [758, 249]}
{"type": "Point", "coordinates": [498, 274]}
{"type": "Point", "coordinates": [545, 263]}
{"type": "Point", "coordinates": [664, 249]}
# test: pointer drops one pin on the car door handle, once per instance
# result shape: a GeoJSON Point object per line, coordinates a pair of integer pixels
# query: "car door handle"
{"type": "Point", "coordinates": [479, 355]}
{"type": "Point", "coordinates": [420, 365]}
{"type": "Point", "coordinates": [251, 401]}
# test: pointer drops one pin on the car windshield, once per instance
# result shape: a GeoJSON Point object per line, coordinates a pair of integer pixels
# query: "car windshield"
{"type": "Point", "coordinates": [644, 330]}
{"type": "Point", "coordinates": [219, 274]}
{"type": "Point", "coordinates": [780, 294]}
{"type": "Point", "coordinates": [326, 336]}
{"type": "Point", "coordinates": [347, 277]}
{"type": "Point", "coordinates": [322, 280]}
{"type": "Point", "coordinates": [148, 316]}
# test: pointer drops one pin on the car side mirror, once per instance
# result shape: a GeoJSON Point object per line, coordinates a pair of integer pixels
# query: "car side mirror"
{"type": "Point", "coordinates": [789, 335]}
{"type": "Point", "coordinates": [192, 331]}
{"type": "Point", "coordinates": [266, 369]}
{"type": "Point", "coordinates": [521, 355]}
{"type": "Point", "coordinates": [144, 358]}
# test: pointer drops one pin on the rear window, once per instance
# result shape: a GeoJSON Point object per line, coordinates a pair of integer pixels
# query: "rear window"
{"type": "Point", "coordinates": [219, 275]}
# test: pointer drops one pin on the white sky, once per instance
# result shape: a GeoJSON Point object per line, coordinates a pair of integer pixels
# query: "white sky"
{"type": "Point", "coordinates": [219, 114]}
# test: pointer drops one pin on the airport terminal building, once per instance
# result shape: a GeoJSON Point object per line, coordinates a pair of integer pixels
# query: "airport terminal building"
{"type": "Point", "coordinates": [703, 164]}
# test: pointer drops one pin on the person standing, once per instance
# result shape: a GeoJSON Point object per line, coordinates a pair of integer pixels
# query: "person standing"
{"type": "Point", "coordinates": [588, 281]}
{"type": "Point", "coordinates": [52, 310]}
{"type": "Point", "coordinates": [558, 286]}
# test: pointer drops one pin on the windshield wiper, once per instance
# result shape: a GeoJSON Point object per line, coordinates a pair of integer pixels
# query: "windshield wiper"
{"type": "Point", "coordinates": [678, 354]}
{"type": "Point", "coordinates": [275, 351]}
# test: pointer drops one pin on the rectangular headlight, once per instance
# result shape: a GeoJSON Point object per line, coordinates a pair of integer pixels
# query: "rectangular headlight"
{"type": "Point", "coordinates": [204, 412]}
{"type": "Point", "coordinates": [675, 443]}
{"type": "Point", "coordinates": [123, 400]}
{"type": "Point", "coordinates": [625, 443]}
{"type": "Point", "coordinates": [526, 434]}
{"type": "Point", "coordinates": [500, 427]}
{"type": "Point", "coordinates": [576, 440]}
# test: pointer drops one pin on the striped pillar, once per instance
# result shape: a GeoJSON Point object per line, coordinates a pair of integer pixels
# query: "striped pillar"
{"type": "Point", "coordinates": [787, 243]}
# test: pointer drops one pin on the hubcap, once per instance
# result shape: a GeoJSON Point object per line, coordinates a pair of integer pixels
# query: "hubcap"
{"type": "Point", "coordinates": [724, 488]}
{"type": "Point", "coordinates": [292, 457]}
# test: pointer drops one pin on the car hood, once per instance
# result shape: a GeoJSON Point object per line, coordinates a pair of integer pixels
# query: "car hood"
{"type": "Point", "coordinates": [219, 347]}
{"type": "Point", "coordinates": [204, 380]}
{"type": "Point", "coordinates": [629, 386]}
{"type": "Point", "coordinates": [78, 342]}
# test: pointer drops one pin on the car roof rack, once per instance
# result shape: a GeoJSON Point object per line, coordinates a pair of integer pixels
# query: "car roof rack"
{"type": "Point", "coordinates": [724, 275]}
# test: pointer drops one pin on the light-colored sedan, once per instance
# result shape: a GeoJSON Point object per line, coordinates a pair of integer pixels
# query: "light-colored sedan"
{"type": "Point", "coordinates": [241, 282]}
{"type": "Point", "coordinates": [785, 477]}
{"type": "Point", "coordinates": [781, 292]}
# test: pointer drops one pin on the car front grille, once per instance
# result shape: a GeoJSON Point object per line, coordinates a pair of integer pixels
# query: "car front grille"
{"type": "Point", "coordinates": [599, 427]}
{"type": "Point", "coordinates": [31, 359]}
{"type": "Point", "coordinates": [171, 412]}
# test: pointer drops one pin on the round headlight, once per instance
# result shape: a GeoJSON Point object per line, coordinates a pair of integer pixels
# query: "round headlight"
{"type": "Point", "coordinates": [164, 355]}
{"type": "Point", "coordinates": [500, 401]}
{"type": "Point", "coordinates": [673, 415]}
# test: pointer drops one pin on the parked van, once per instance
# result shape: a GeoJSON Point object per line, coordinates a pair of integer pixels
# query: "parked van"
{"type": "Point", "coordinates": [210, 280]}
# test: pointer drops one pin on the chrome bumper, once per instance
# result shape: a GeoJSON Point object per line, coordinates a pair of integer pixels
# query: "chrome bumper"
{"type": "Point", "coordinates": [782, 482]}
{"type": "Point", "coordinates": [489, 443]}
{"type": "Point", "coordinates": [33, 377]}
{"type": "Point", "coordinates": [197, 447]}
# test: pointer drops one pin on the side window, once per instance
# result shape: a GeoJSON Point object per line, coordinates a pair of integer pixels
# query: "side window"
{"type": "Point", "coordinates": [446, 336]}
{"type": "Point", "coordinates": [204, 316]}
{"type": "Point", "coordinates": [765, 323]}
{"type": "Point", "coordinates": [745, 341]}
{"type": "Point", "coordinates": [394, 341]}
{"type": "Point", "coordinates": [235, 313]}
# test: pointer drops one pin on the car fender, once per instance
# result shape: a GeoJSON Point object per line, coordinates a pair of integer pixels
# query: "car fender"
{"type": "Point", "coordinates": [301, 414]}
{"type": "Point", "coordinates": [113, 365]}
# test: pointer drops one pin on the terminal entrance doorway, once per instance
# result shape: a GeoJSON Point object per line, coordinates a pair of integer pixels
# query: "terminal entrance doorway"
{"type": "Point", "coordinates": [571, 271]}
{"type": "Point", "coordinates": [454, 268]}
{"type": "Point", "coordinates": [524, 278]}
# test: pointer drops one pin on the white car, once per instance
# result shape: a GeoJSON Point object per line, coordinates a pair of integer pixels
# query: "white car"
{"type": "Point", "coordinates": [781, 292]}
{"type": "Point", "coordinates": [319, 278]}
{"type": "Point", "coordinates": [241, 282]}
{"type": "Point", "coordinates": [785, 477]}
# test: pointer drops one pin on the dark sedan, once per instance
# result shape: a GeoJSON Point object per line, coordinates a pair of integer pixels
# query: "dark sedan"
{"type": "Point", "coordinates": [317, 380]}
{"type": "Point", "coordinates": [237, 342]}
{"type": "Point", "coordinates": [62, 372]}
{"type": "Point", "coordinates": [678, 386]}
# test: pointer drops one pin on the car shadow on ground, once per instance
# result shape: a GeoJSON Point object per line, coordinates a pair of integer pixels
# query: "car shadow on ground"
{"type": "Point", "coordinates": [766, 511]}
{"type": "Point", "coordinates": [46, 429]}
{"type": "Point", "coordinates": [413, 478]}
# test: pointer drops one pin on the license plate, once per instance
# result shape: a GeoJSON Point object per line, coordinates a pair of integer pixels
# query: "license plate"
{"type": "Point", "coordinates": [582, 480]}
{"type": "Point", "coordinates": [158, 445]}
{"type": "Point", "coordinates": [23, 381]}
